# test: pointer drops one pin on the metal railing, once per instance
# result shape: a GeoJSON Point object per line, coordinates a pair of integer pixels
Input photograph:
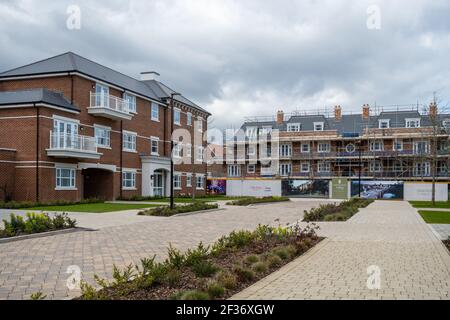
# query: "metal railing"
{"type": "Point", "coordinates": [101, 100]}
{"type": "Point", "coordinates": [72, 142]}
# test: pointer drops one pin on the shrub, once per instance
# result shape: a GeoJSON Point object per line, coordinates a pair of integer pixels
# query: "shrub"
{"type": "Point", "coordinates": [227, 279]}
{"type": "Point", "coordinates": [216, 290]}
{"type": "Point", "coordinates": [274, 261]}
{"type": "Point", "coordinates": [196, 255]}
{"type": "Point", "coordinates": [251, 259]}
{"type": "Point", "coordinates": [244, 274]}
{"type": "Point", "coordinates": [249, 201]}
{"type": "Point", "coordinates": [175, 258]}
{"type": "Point", "coordinates": [194, 295]}
{"type": "Point", "coordinates": [38, 296]}
{"type": "Point", "coordinates": [35, 223]}
{"type": "Point", "coordinates": [282, 252]}
{"type": "Point", "coordinates": [166, 211]}
{"type": "Point", "coordinates": [173, 276]}
{"type": "Point", "coordinates": [259, 267]}
{"type": "Point", "coordinates": [204, 269]}
{"type": "Point", "coordinates": [336, 212]}
{"type": "Point", "coordinates": [150, 268]}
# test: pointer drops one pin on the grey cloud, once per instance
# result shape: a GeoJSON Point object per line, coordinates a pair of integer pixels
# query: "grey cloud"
{"type": "Point", "coordinates": [239, 58]}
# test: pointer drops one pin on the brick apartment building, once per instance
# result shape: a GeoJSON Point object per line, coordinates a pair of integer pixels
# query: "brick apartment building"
{"type": "Point", "coordinates": [378, 144]}
{"type": "Point", "coordinates": [73, 129]}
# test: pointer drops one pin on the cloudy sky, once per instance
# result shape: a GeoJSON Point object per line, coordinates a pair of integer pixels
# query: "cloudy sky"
{"type": "Point", "coordinates": [253, 57]}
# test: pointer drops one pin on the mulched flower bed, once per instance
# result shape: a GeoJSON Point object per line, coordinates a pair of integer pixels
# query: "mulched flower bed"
{"type": "Point", "coordinates": [336, 212]}
{"type": "Point", "coordinates": [249, 201]}
{"type": "Point", "coordinates": [165, 211]}
{"type": "Point", "coordinates": [447, 243]}
{"type": "Point", "coordinates": [217, 272]}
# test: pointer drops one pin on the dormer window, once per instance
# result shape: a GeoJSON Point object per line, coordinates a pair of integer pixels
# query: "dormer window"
{"type": "Point", "coordinates": [265, 130]}
{"type": "Point", "coordinates": [384, 124]}
{"type": "Point", "coordinates": [412, 123]}
{"type": "Point", "coordinates": [250, 132]}
{"type": "Point", "coordinates": [294, 127]}
{"type": "Point", "coordinates": [318, 126]}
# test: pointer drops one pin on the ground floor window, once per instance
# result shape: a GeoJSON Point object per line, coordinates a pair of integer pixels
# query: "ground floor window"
{"type": "Point", "coordinates": [188, 181]}
{"type": "Point", "coordinates": [177, 181]}
{"type": "Point", "coordinates": [65, 178]}
{"type": "Point", "coordinates": [200, 182]}
{"type": "Point", "coordinates": [285, 169]}
{"type": "Point", "coordinates": [234, 170]}
{"type": "Point", "coordinates": [129, 180]}
{"type": "Point", "coordinates": [251, 168]}
{"type": "Point", "coordinates": [422, 169]}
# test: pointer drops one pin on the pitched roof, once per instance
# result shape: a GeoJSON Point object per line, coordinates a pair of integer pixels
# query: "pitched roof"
{"type": "Point", "coordinates": [35, 96]}
{"type": "Point", "coordinates": [71, 62]}
{"type": "Point", "coordinates": [164, 92]}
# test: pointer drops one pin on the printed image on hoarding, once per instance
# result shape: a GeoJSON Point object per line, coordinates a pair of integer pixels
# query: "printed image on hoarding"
{"type": "Point", "coordinates": [217, 186]}
{"type": "Point", "coordinates": [378, 189]}
{"type": "Point", "coordinates": [306, 188]}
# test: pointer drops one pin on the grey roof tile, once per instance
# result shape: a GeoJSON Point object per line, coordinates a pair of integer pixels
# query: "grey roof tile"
{"type": "Point", "coordinates": [35, 96]}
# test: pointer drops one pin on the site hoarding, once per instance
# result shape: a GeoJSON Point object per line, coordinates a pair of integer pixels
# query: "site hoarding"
{"type": "Point", "coordinates": [306, 188]}
{"type": "Point", "coordinates": [378, 189]}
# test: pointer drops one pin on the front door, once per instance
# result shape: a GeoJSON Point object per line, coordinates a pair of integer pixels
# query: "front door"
{"type": "Point", "coordinates": [158, 184]}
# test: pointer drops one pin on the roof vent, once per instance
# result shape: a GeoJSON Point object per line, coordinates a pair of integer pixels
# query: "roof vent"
{"type": "Point", "coordinates": [149, 75]}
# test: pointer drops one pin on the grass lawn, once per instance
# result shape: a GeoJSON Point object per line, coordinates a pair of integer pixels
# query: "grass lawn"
{"type": "Point", "coordinates": [428, 204]}
{"type": "Point", "coordinates": [93, 207]}
{"type": "Point", "coordinates": [189, 200]}
{"type": "Point", "coordinates": [439, 217]}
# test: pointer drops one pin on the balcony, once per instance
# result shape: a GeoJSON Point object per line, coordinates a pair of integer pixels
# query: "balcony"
{"type": "Point", "coordinates": [108, 106]}
{"type": "Point", "coordinates": [64, 145]}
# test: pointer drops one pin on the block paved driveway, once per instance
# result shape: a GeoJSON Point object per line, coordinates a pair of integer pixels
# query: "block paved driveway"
{"type": "Point", "coordinates": [391, 235]}
{"type": "Point", "coordinates": [33, 265]}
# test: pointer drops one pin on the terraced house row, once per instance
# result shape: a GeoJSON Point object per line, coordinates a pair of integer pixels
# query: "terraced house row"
{"type": "Point", "coordinates": [392, 143]}
{"type": "Point", "coordinates": [72, 129]}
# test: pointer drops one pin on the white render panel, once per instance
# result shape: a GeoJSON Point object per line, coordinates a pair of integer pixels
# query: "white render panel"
{"type": "Point", "coordinates": [422, 191]}
{"type": "Point", "coordinates": [254, 188]}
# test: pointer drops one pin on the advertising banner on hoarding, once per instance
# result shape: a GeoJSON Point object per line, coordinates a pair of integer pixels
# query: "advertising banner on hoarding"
{"type": "Point", "coordinates": [378, 189]}
{"type": "Point", "coordinates": [306, 188]}
{"type": "Point", "coordinates": [217, 186]}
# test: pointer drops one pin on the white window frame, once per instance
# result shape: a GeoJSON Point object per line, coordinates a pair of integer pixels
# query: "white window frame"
{"type": "Point", "coordinates": [131, 102]}
{"type": "Point", "coordinates": [251, 133]}
{"type": "Point", "coordinates": [177, 116]}
{"type": "Point", "coordinates": [59, 178]}
{"type": "Point", "coordinates": [323, 167]}
{"type": "Point", "coordinates": [265, 130]}
{"type": "Point", "coordinates": [155, 112]}
{"type": "Point", "coordinates": [384, 121]}
{"type": "Point", "coordinates": [189, 119]}
{"type": "Point", "coordinates": [394, 145]}
{"type": "Point", "coordinates": [294, 127]}
{"type": "Point", "coordinates": [234, 170]}
{"type": "Point", "coordinates": [376, 166]}
{"type": "Point", "coordinates": [132, 143]}
{"type": "Point", "coordinates": [285, 169]}
{"type": "Point", "coordinates": [409, 121]}
{"type": "Point", "coordinates": [107, 144]}
{"type": "Point", "coordinates": [425, 167]}
{"type": "Point", "coordinates": [416, 149]}
{"type": "Point", "coordinates": [177, 149]}
{"type": "Point", "coordinates": [200, 153]}
{"type": "Point", "coordinates": [199, 182]}
{"type": "Point", "coordinates": [188, 149]}
{"type": "Point", "coordinates": [152, 141]}
{"type": "Point", "coordinates": [308, 149]}
{"type": "Point", "coordinates": [321, 124]}
{"type": "Point", "coordinates": [303, 169]}
{"type": "Point", "coordinates": [131, 179]}
{"type": "Point", "coordinates": [189, 181]}
{"type": "Point", "coordinates": [251, 170]}
{"type": "Point", "coordinates": [285, 150]}
{"type": "Point", "coordinates": [374, 143]}
{"type": "Point", "coordinates": [321, 150]}
{"type": "Point", "coordinates": [177, 181]}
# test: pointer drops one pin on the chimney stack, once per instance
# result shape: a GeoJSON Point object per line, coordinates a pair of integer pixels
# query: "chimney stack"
{"type": "Point", "coordinates": [337, 113]}
{"type": "Point", "coordinates": [149, 75]}
{"type": "Point", "coordinates": [280, 117]}
{"type": "Point", "coordinates": [366, 112]}
{"type": "Point", "coordinates": [433, 111]}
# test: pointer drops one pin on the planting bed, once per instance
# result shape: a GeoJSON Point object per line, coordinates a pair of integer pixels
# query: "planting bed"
{"type": "Point", "coordinates": [227, 267]}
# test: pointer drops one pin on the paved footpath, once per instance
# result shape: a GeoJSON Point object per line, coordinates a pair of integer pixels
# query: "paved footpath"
{"type": "Point", "coordinates": [33, 265]}
{"type": "Point", "coordinates": [413, 263]}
